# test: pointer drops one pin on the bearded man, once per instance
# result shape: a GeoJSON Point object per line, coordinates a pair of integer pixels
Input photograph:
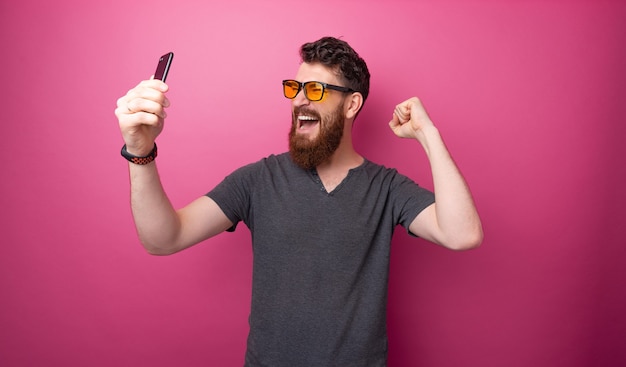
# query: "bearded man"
{"type": "Point", "coordinates": [321, 215]}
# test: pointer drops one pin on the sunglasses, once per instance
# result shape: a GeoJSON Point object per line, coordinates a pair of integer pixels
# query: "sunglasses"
{"type": "Point", "coordinates": [313, 91]}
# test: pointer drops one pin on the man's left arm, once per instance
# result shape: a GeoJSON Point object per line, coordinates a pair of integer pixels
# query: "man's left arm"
{"type": "Point", "coordinates": [452, 221]}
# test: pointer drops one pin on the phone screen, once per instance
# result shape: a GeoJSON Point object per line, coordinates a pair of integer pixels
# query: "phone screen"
{"type": "Point", "coordinates": [163, 67]}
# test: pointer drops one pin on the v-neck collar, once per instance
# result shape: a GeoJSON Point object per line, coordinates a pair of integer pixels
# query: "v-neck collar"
{"type": "Point", "coordinates": [318, 181]}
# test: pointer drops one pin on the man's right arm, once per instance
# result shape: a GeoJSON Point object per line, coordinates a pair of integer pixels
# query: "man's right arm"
{"type": "Point", "coordinates": [161, 229]}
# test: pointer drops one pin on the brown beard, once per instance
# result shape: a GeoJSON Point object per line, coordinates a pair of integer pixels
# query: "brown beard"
{"type": "Point", "coordinates": [309, 154]}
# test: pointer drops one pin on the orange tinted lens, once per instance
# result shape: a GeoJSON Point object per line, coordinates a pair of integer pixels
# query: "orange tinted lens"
{"type": "Point", "coordinates": [291, 89]}
{"type": "Point", "coordinates": [314, 91]}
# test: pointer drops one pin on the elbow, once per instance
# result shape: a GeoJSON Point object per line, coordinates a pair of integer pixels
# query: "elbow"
{"type": "Point", "coordinates": [468, 241]}
{"type": "Point", "coordinates": [158, 244]}
{"type": "Point", "coordinates": [158, 249]}
{"type": "Point", "coordinates": [467, 244]}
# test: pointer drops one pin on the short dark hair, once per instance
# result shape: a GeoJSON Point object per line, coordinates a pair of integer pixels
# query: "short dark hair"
{"type": "Point", "coordinates": [339, 56]}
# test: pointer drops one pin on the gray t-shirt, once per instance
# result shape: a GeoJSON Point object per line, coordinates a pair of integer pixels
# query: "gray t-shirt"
{"type": "Point", "coordinates": [321, 260]}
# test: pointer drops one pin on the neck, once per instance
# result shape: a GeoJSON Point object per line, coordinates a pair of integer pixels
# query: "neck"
{"type": "Point", "coordinates": [345, 157]}
{"type": "Point", "coordinates": [335, 170]}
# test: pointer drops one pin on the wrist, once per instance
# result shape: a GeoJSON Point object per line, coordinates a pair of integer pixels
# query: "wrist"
{"type": "Point", "coordinates": [140, 160]}
{"type": "Point", "coordinates": [429, 138]}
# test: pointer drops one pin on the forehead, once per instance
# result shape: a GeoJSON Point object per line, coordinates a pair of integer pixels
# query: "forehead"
{"type": "Point", "coordinates": [316, 72]}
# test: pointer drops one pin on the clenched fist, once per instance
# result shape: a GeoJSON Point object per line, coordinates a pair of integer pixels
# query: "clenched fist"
{"type": "Point", "coordinates": [410, 119]}
{"type": "Point", "coordinates": [141, 114]}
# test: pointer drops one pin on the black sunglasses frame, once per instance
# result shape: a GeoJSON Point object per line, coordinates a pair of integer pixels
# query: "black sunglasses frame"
{"type": "Point", "coordinates": [302, 86]}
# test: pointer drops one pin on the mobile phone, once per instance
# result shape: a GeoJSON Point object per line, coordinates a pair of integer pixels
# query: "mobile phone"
{"type": "Point", "coordinates": [163, 67]}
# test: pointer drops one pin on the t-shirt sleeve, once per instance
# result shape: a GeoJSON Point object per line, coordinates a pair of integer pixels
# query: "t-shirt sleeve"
{"type": "Point", "coordinates": [409, 199]}
{"type": "Point", "coordinates": [232, 195]}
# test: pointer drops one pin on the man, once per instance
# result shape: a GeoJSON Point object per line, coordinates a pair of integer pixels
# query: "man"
{"type": "Point", "coordinates": [321, 216]}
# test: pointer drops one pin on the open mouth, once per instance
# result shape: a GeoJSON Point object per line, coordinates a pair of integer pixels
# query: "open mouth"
{"type": "Point", "coordinates": [307, 122]}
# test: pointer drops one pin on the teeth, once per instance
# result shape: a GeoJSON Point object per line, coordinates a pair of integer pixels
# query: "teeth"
{"type": "Point", "coordinates": [306, 118]}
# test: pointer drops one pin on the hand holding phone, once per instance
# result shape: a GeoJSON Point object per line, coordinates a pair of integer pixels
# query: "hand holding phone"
{"type": "Point", "coordinates": [163, 67]}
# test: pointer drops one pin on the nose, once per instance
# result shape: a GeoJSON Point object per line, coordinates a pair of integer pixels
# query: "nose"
{"type": "Point", "coordinates": [300, 99]}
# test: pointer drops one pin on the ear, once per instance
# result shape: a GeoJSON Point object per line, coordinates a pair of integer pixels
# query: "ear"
{"type": "Point", "coordinates": [353, 105]}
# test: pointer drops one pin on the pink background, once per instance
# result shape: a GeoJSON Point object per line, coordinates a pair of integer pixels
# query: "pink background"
{"type": "Point", "coordinates": [530, 97]}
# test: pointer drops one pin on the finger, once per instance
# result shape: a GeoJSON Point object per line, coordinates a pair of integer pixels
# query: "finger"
{"type": "Point", "coordinates": [144, 99]}
{"type": "Point", "coordinates": [395, 121]}
{"type": "Point", "coordinates": [121, 102]}
{"type": "Point", "coordinates": [148, 119]}
{"type": "Point", "coordinates": [401, 112]}
{"type": "Point", "coordinates": [123, 107]}
{"type": "Point", "coordinates": [156, 84]}
{"type": "Point", "coordinates": [397, 113]}
{"type": "Point", "coordinates": [145, 105]}
{"type": "Point", "coordinates": [133, 122]}
{"type": "Point", "coordinates": [419, 111]}
{"type": "Point", "coordinates": [151, 89]}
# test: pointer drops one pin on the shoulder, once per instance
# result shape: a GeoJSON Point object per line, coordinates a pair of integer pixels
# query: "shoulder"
{"type": "Point", "coordinates": [266, 168]}
{"type": "Point", "coordinates": [376, 171]}
{"type": "Point", "coordinates": [270, 162]}
{"type": "Point", "coordinates": [395, 183]}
